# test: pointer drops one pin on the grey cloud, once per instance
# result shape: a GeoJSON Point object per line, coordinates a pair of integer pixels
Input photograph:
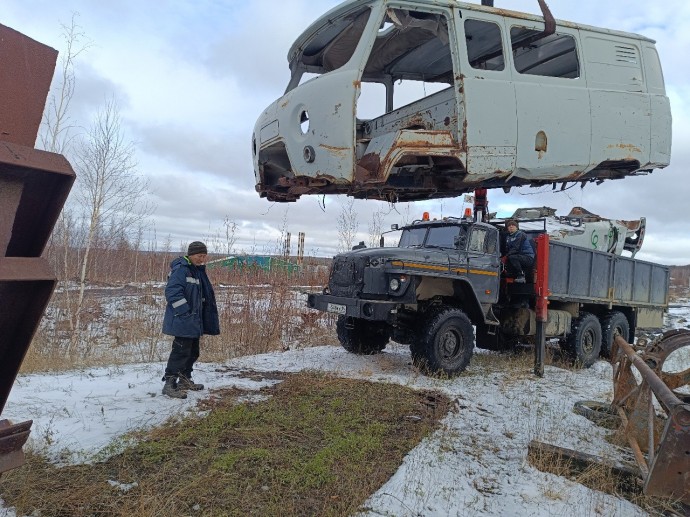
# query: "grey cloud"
{"type": "Point", "coordinates": [226, 156]}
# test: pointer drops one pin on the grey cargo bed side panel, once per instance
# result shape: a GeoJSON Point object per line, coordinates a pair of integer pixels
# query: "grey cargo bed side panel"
{"type": "Point", "coordinates": [579, 274]}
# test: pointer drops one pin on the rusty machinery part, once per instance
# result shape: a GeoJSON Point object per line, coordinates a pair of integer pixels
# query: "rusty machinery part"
{"type": "Point", "coordinates": [12, 439]}
{"type": "Point", "coordinates": [655, 413]}
{"type": "Point", "coordinates": [562, 461]}
{"type": "Point", "coordinates": [25, 75]}
{"type": "Point", "coordinates": [33, 188]}
{"type": "Point", "coordinates": [549, 20]}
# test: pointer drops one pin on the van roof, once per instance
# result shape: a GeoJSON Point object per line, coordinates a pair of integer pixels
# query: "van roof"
{"type": "Point", "coordinates": [355, 5]}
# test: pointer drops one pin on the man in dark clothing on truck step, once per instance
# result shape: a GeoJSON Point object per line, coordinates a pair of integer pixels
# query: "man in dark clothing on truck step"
{"type": "Point", "coordinates": [519, 252]}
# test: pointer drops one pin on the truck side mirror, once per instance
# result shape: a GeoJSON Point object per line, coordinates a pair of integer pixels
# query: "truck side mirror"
{"type": "Point", "coordinates": [381, 242]}
{"type": "Point", "coordinates": [394, 226]}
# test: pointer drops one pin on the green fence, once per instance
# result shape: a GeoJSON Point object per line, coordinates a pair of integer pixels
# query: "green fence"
{"type": "Point", "coordinates": [264, 262]}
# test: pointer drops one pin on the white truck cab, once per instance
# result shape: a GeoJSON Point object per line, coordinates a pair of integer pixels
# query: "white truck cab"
{"type": "Point", "coordinates": [410, 100]}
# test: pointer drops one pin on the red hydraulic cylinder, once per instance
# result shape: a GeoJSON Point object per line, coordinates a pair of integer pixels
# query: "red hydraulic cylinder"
{"type": "Point", "coordinates": [541, 288]}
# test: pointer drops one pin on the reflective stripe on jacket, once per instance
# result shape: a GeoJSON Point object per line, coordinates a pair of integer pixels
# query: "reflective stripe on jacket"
{"type": "Point", "coordinates": [191, 309]}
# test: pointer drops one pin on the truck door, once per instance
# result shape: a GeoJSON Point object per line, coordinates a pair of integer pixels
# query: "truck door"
{"type": "Point", "coordinates": [487, 95]}
{"type": "Point", "coordinates": [553, 106]}
{"type": "Point", "coordinates": [483, 263]}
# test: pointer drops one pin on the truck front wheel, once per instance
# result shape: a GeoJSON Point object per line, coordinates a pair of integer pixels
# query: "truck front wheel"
{"type": "Point", "coordinates": [360, 336]}
{"type": "Point", "coordinates": [583, 344]}
{"type": "Point", "coordinates": [446, 343]}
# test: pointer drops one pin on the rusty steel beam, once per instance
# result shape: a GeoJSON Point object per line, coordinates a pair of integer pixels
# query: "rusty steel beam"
{"type": "Point", "coordinates": [663, 433]}
{"type": "Point", "coordinates": [25, 76]}
{"type": "Point", "coordinates": [561, 461]}
{"type": "Point", "coordinates": [33, 188]}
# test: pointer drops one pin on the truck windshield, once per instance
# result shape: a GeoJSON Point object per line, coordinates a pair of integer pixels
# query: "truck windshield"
{"type": "Point", "coordinates": [434, 237]}
{"type": "Point", "coordinates": [445, 236]}
{"type": "Point", "coordinates": [412, 237]}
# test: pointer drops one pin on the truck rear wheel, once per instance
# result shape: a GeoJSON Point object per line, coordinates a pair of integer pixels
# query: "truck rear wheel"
{"type": "Point", "coordinates": [360, 336]}
{"type": "Point", "coordinates": [446, 343]}
{"type": "Point", "coordinates": [583, 344]}
{"type": "Point", "coordinates": [614, 324]}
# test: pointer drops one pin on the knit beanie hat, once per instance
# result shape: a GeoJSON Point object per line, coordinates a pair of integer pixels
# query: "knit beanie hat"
{"type": "Point", "coordinates": [195, 248]}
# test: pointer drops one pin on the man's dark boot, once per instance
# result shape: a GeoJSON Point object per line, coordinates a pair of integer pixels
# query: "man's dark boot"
{"type": "Point", "coordinates": [186, 383]}
{"type": "Point", "coordinates": [171, 390]}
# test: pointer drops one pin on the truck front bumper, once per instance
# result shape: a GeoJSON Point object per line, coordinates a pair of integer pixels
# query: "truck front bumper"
{"type": "Point", "coordinates": [375, 310]}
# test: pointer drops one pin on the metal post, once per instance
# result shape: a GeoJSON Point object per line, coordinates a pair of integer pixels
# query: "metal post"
{"type": "Point", "coordinates": [300, 248]}
{"type": "Point", "coordinates": [286, 246]}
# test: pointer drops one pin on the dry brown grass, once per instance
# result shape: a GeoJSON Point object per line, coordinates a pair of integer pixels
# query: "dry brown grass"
{"type": "Point", "coordinates": [609, 475]}
{"type": "Point", "coordinates": [319, 445]}
{"type": "Point", "coordinates": [260, 311]}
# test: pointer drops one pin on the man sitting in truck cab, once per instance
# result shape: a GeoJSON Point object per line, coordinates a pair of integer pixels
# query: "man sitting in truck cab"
{"type": "Point", "coordinates": [519, 252]}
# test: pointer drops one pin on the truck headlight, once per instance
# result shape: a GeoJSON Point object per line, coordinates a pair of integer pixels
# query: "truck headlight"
{"type": "Point", "coordinates": [394, 284]}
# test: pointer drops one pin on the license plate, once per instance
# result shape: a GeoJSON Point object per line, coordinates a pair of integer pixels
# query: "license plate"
{"type": "Point", "coordinates": [336, 308]}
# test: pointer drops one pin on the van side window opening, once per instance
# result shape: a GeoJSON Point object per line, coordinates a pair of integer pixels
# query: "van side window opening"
{"type": "Point", "coordinates": [550, 56]}
{"type": "Point", "coordinates": [411, 56]}
{"type": "Point", "coordinates": [484, 45]}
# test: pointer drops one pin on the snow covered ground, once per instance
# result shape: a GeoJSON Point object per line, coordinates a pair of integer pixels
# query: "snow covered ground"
{"type": "Point", "coordinates": [475, 464]}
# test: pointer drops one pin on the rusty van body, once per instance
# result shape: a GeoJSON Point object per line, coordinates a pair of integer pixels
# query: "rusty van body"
{"type": "Point", "coordinates": [411, 100]}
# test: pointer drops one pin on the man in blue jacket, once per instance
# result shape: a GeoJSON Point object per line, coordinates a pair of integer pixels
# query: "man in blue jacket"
{"type": "Point", "coordinates": [519, 252]}
{"type": "Point", "coordinates": [190, 313]}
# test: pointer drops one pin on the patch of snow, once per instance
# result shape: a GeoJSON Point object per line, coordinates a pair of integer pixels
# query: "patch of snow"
{"type": "Point", "coordinates": [474, 464]}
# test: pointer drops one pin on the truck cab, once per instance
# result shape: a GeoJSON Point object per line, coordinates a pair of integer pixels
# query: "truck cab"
{"type": "Point", "coordinates": [442, 274]}
{"type": "Point", "coordinates": [433, 260]}
{"type": "Point", "coordinates": [402, 101]}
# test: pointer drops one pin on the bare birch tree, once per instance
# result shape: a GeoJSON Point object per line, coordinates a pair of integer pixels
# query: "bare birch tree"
{"type": "Point", "coordinates": [376, 228]}
{"type": "Point", "coordinates": [347, 225]}
{"type": "Point", "coordinates": [56, 136]}
{"type": "Point", "coordinates": [111, 192]}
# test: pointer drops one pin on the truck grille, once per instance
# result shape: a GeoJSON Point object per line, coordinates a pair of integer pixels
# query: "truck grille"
{"type": "Point", "coordinates": [347, 276]}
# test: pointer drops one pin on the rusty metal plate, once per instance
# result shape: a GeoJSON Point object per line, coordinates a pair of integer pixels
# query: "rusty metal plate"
{"type": "Point", "coordinates": [12, 439]}
{"type": "Point", "coordinates": [21, 307]}
{"type": "Point", "coordinates": [33, 188]}
{"type": "Point", "coordinates": [26, 70]}
{"type": "Point", "coordinates": [669, 475]}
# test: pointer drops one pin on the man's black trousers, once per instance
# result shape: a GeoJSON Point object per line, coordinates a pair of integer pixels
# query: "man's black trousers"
{"type": "Point", "coordinates": [519, 265]}
{"type": "Point", "coordinates": [185, 351]}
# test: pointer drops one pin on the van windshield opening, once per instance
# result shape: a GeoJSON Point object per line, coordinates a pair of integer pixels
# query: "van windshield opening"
{"type": "Point", "coordinates": [410, 47]}
{"type": "Point", "coordinates": [330, 48]}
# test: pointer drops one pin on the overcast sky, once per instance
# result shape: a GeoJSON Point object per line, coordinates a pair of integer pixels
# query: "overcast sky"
{"type": "Point", "coordinates": [192, 77]}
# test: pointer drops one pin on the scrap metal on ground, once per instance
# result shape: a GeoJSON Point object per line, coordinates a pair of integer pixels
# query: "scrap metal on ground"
{"type": "Point", "coordinates": [651, 409]}
{"type": "Point", "coordinates": [655, 413]}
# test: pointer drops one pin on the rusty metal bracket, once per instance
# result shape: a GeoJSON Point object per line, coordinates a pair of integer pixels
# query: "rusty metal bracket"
{"type": "Point", "coordinates": [33, 188]}
{"type": "Point", "coordinates": [655, 415]}
{"type": "Point", "coordinates": [12, 439]}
